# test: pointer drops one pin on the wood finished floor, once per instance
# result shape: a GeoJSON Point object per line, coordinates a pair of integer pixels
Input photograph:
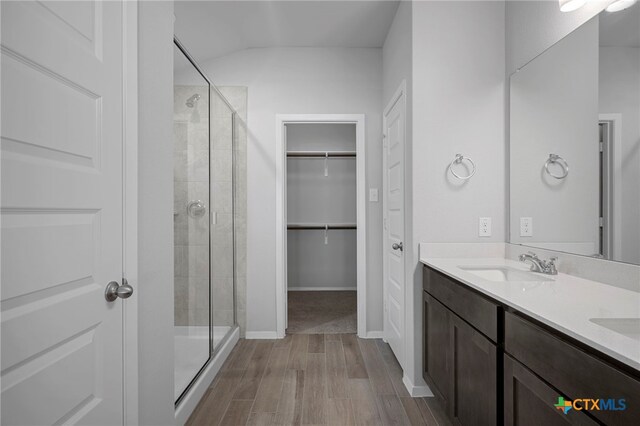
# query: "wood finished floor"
{"type": "Point", "coordinates": [313, 379]}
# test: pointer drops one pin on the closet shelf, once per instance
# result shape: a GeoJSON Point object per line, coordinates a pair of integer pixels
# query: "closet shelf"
{"type": "Point", "coordinates": [321, 154]}
{"type": "Point", "coordinates": [320, 226]}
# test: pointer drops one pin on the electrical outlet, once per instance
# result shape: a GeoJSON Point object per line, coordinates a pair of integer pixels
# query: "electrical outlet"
{"type": "Point", "coordinates": [373, 195]}
{"type": "Point", "coordinates": [484, 227]}
{"type": "Point", "coordinates": [526, 227]}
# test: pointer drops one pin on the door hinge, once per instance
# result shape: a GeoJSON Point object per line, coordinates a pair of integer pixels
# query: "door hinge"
{"type": "Point", "coordinates": [384, 223]}
{"type": "Point", "coordinates": [601, 221]}
{"type": "Point", "coordinates": [601, 146]}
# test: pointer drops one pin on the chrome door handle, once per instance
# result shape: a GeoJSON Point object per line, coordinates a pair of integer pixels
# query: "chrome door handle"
{"type": "Point", "coordinates": [397, 246]}
{"type": "Point", "coordinates": [115, 290]}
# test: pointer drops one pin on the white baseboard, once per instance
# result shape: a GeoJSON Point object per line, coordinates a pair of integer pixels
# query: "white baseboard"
{"type": "Point", "coordinates": [198, 389]}
{"type": "Point", "coordinates": [250, 335]}
{"type": "Point", "coordinates": [322, 288]}
{"type": "Point", "coordinates": [416, 391]}
{"type": "Point", "coordinates": [374, 334]}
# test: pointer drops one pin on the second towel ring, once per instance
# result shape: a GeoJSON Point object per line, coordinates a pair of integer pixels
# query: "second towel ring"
{"type": "Point", "coordinates": [458, 160]}
{"type": "Point", "coordinates": [556, 159]}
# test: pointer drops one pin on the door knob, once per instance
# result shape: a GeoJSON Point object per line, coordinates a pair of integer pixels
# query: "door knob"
{"type": "Point", "coordinates": [115, 290]}
{"type": "Point", "coordinates": [397, 246]}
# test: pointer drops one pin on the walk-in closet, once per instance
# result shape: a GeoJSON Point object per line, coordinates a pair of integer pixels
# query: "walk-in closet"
{"type": "Point", "coordinates": [321, 188]}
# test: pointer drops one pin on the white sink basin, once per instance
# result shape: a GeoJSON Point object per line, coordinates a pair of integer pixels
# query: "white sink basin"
{"type": "Point", "coordinates": [503, 274]}
{"type": "Point", "coordinates": [629, 327]}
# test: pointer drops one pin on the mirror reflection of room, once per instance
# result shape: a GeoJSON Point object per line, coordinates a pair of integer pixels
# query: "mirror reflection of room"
{"type": "Point", "coordinates": [576, 110]}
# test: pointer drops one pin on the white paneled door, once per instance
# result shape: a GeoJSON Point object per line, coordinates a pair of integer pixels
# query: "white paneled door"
{"type": "Point", "coordinates": [62, 209]}
{"type": "Point", "coordinates": [394, 139]}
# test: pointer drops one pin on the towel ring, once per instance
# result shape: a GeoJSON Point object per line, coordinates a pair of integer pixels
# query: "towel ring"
{"type": "Point", "coordinates": [556, 159]}
{"type": "Point", "coordinates": [458, 160]}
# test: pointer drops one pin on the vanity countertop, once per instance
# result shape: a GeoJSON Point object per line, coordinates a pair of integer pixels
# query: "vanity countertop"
{"type": "Point", "coordinates": [564, 302]}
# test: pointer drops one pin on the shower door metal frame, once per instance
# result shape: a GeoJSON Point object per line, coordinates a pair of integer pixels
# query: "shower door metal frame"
{"type": "Point", "coordinates": [213, 351]}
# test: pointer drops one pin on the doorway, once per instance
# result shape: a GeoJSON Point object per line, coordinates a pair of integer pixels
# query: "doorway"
{"type": "Point", "coordinates": [320, 222]}
{"type": "Point", "coordinates": [610, 169]}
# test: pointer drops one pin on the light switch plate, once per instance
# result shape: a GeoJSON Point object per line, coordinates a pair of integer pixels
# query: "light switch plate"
{"type": "Point", "coordinates": [484, 227]}
{"type": "Point", "coordinates": [373, 195]}
{"type": "Point", "coordinates": [526, 227]}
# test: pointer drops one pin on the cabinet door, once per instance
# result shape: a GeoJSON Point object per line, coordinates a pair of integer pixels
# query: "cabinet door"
{"type": "Point", "coordinates": [437, 349]}
{"type": "Point", "coordinates": [528, 400]}
{"type": "Point", "coordinates": [474, 376]}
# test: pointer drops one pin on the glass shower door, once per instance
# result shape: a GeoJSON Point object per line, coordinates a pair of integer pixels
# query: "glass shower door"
{"type": "Point", "coordinates": [222, 208]}
{"type": "Point", "coordinates": [192, 229]}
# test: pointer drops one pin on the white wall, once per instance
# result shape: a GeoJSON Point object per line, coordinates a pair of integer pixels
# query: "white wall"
{"type": "Point", "coordinates": [397, 54]}
{"type": "Point", "coordinates": [458, 107]}
{"type": "Point", "coordinates": [620, 93]}
{"type": "Point", "coordinates": [532, 26]}
{"type": "Point", "coordinates": [301, 81]}
{"type": "Point", "coordinates": [155, 210]}
{"type": "Point", "coordinates": [554, 109]}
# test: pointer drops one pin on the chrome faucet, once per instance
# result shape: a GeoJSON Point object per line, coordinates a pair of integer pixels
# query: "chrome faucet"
{"type": "Point", "coordinates": [539, 265]}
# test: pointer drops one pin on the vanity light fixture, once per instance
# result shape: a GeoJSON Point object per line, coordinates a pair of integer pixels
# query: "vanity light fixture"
{"type": "Point", "coordinates": [571, 5]}
{"type": "Point", "coordinates": [619, 5]}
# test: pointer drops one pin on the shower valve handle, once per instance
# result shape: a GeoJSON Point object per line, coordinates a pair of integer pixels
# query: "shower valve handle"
{"type": "Point", "coordinates": [196, 208]}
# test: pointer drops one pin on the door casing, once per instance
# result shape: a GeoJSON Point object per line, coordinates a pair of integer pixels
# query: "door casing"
{"type": "Point", "coordinates": [130, 208]}
{"type": "Point", "coordinates": [281, 213]}
{"type": "Point", "coordinates": [613, 221]}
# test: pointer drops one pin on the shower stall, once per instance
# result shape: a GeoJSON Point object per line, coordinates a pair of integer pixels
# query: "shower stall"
{"type": "Point", "coordinates": [203, 217]}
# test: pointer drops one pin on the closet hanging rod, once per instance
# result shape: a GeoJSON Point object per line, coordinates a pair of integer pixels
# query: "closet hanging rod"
{"type": "Point", "coordinates": [305, 226]}
{"type": "Point", "coordinates": [321, 154]}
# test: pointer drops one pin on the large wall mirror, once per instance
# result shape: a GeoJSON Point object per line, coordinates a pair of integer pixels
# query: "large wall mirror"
{"type": "Point", "coordinates": [575, 142]}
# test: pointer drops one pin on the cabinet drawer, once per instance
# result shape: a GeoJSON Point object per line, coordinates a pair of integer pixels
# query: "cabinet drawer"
{"type": "Point", "coordinates": [478, 311]}
{"type": "Point", "coordinates": [572, 371]}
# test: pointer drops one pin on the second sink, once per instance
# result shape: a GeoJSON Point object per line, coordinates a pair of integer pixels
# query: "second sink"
{"type": "Point", "coordinates": [629, 327]}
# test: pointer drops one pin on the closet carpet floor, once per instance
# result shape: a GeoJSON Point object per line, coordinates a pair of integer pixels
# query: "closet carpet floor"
{"type": "Point", "coordinates": [319, 379]}
{"type": "Point", "coordinates": [322, 312]}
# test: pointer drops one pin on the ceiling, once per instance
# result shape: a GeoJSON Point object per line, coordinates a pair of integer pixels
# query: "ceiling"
{"type": "Point", "coordinates": [621, 28]}
{"type": "Point", "coordinates": [210, 29]}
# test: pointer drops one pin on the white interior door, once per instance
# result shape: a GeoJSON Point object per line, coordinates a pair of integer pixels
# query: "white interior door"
{"type": "Point", "coordinates": [394, 130]}
{"type": "Point", "coordinates": [62, 212]}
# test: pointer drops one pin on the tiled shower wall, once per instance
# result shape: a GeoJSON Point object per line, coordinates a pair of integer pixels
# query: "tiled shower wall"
{"type": "Point", "coordinates": [191, 182]}
{"type": "Point", "coordinates": [191, 174]}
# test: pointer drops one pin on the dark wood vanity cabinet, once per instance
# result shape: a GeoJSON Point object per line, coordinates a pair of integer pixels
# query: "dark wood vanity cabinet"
{"type": "Point", "coordinates": [460, 362]}
{"type": "Point", "coordinates": [529, 400]}
{"type": "Point", "coordinates": [437, 342]}
{"type": "Point", "coordinates": [490, 364]}
{"type": "Point", "coordinates": [474, 376]}
{"type": "Point", "coordinates": [573, 371]}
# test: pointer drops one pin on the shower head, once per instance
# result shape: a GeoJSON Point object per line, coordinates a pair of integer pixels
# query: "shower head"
{"type": "Point", "coordinates": [191, 102]}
